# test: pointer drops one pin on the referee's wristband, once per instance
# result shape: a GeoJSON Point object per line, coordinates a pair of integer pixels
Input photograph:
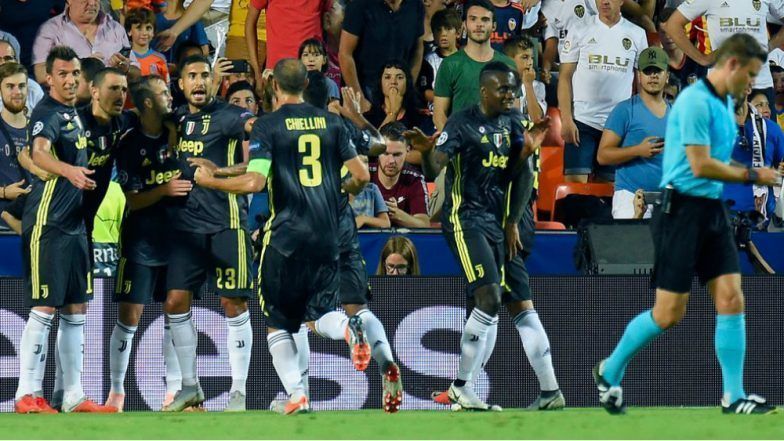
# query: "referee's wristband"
{"type": "Point", "coordinates": [751, 176]}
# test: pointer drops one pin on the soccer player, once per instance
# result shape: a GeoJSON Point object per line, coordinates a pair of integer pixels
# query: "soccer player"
{"type": "Point", "coordinates": [148, 172]}
{"type": "Point", "coordinates": [299, 272]}
{"type": "Point", "coordinates": [484, 149]}
{"type": "Point", "coordinates": [691, 231]}
{"type": "Point", "coordinates": [57, 267]}
{"type": "Point", "coordinates": [209, 236]}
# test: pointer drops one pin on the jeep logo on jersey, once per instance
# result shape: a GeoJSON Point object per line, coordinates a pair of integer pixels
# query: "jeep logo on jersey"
{"type": "Point", "coordinates": [627, 44]}
{"type": "Point", "coordinates": [189, 127]}
{"type": "Point", "coordinates": [757, 4]}
{"type": "Point", "coordinates": [579, 11]}
{"type": "Point", "coordinates": [512, 24]}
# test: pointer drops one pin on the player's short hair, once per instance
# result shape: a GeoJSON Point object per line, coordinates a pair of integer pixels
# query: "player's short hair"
{"type": "Point", "coordinates": [142, 90]}
{"type": "Point", "coordinates": [90, 67]}
{"type": "Point", "coordinates": [11, 68]}
{"type": "Point", "coordinates": [394, 131]}
{"type": "Point", "coordinates": [445, 19]}
{"type": "Point", "coordinates": [193, 59]}
{"type": "Point", "coordinates": [516, 44]}
{"type": "Point", "coordinates": [743, 47]}
{"type": "Point", "coordinates": [64, 53]}
{"type": "Point", "coordinates": [139, 16]}
{"type": "Point", "coordinates": [495, 68]}
{"type": "Point", "coordinates": [291, 75]}
{"type": "Point", "coordinates": [317, 92]}
{"type": "Point", "coordinates": [484, 4]}
{"type": "Point", "coordinates": [101, 75]}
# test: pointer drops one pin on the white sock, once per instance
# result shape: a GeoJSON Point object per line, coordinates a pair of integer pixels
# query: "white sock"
{"type": "Point", "coordinates": [377, 339]}
{"type": "Point", "coordinates": [58, 368]}
{"type": "Point", "coordinates": [284, 358]}
{"type": "Point", "coordinates": [40, 370]}
{"type": "Point", "coordinates": [303, 355]}
{"type": "Point", "coordinates": [72, 355]}
{"type": "Point", "coordinates": [492, 335]}
{"type": "Point", "coordinates": [332, 325]}
{"type": "Point", "coordinates": [185, 339]}
{"type": "Point", "coordinates": [240, 342]}
{"type": "Point", "coordinates": [30, 349]}
{"type": "Point", "coordinates": [473, 342]}
{"type": "Point", "coordinates": [119, 354]}
{"type": "Point", "coordinates": [537, 348]}
{"type": "Point", "coordinates": [173, 374]}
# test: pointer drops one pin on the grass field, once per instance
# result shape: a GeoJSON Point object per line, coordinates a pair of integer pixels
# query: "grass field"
{"type": "Point", "coordinates": [639, 423]}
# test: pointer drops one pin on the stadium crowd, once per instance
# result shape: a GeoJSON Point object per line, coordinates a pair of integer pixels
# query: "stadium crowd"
{"type": "Point", "coordinates": [605, 72]}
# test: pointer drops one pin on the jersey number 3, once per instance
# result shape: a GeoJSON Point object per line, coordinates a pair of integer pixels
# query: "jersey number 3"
{"type": "Point", "coordinates": [310, 173]}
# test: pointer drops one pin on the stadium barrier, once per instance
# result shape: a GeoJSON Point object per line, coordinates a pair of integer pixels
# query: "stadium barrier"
{"type": "Point", "coordinates": [423, 317]}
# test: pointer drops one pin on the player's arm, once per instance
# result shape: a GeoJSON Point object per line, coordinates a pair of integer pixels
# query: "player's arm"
{"type": "Point", "coordinates": [433, 161]}
{"type": "Point", "coordinates": [252, 181]}
{"type": "Point", "coordinates": [360, 176]}
{"type": "Point", "coordinates": [521, 191]}
{"type": "Point", "coordinates": [704, 166]}
{"type": "Point", "coordinates": [351, 110]}
{"type": "Point", "coordinates": [230, 171]}
{"type": "Point", "coordinates": [26, 161]}
{"type": "Point", "coordinates": [43, 158]}
{"type": "Point", "coordinates": [674, 27]}
{"type": "Point", "coordinates": [138, 200]}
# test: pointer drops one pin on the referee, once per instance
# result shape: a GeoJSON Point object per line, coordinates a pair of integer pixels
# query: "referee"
{"type": "Point", "coordinates": [691, 230]}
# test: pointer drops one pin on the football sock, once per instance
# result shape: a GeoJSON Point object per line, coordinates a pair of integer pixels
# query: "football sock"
{"type": "Point", "coordinates": [173, 374]}
{"type": "Point", "coordinates": [472, 344]}
{"type": "Point", "coordinates": [240, 342]}
{"type": "Point", "coordinates": [284, 358]}
{"type": "Point", "coordinates": [639, 332]}
{"type": "Point", "coordinates": [40, 370]}
{"type": "Point", "coordinates": [185, 339]}
{"type": "Point", "coordinates": [730, 342]}
{"type": "Point", "coordinates": [58, 369]}
{"type": "Point", "coordinates": [332, 325]}
{"type": "Point", "coordinates": [492, 335]}
{"type": "Point", "coordinates": [72, 355]}
{"type": "Point", "coordinates": [303, 355]}
{"type": "Point", "coordinates": [377, 339]}
{"type": "Point", "coordinates": [30, 349]}
{"type": "Point", "coordinates": [119, 353]}
{"type": "Point", "coordinates": [537, 348]}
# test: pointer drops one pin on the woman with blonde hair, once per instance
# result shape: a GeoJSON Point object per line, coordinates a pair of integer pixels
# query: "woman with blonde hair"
{"type": "Point", "coordinates": [398, 258]}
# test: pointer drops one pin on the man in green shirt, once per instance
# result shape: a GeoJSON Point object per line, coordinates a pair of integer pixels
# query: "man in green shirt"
{"type": "Point", "coordinates": [457, 83]}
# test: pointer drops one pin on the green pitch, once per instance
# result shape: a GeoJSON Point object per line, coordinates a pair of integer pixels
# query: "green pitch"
{"type": "Point", "coordinates": [667, 423]}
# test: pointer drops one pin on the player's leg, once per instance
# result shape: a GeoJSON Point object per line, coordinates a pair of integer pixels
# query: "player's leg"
{"type": "Point", "coordinates": [171, 364]}
{"type": "Point", "coordinates": [302, 343]}
{"type": "Point", "coordinates": [240, 344]}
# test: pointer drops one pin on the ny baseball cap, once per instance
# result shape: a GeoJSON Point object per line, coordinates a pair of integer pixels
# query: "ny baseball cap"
{"type": "Point", "coordinates": [653, 57]}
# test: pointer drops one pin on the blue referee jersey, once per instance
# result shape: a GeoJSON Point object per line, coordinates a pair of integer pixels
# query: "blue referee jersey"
{"type": "Point", "coordinates": [699, 117]}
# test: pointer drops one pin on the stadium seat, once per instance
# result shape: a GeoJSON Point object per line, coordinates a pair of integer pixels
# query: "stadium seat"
{"type": "Point", "coordinates": [590, 189]}
{"type": "Point", "coordinates": [554, 135]}
{"type": "Point", "coordinates": [545, 225]}
{"type": "Point", "coordinates": [551, 174]}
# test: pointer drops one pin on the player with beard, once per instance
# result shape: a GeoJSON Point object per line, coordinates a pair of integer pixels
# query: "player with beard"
{"type": "Point", "coordinates": [53, 228]}
{"type": "Point", "coordinates": [485, 150]}
{"type": "Point", "coordinates": [148, 172]}
{"type": "Point", "coordinates": [209, 236]}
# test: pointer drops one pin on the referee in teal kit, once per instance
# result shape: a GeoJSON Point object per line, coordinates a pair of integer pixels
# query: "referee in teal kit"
{"type": "Point", "coordinates": [691, 229]}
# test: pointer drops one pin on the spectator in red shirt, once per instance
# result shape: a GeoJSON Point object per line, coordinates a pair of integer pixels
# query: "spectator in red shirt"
{"type": "Point", "coordinates": [403, 188]}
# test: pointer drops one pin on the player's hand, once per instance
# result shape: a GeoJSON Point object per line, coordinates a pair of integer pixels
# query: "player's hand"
{"type": "Point", "coordinates": [203, 175]}
{"type": "Point", "coordinates": [781, 168]}
{"type": "Point", "coordinates": [767, 176]}
{"type": "Point", "coordinates": [15, 190]}
{"type": "Point", "coordinates": [649, 147]}
{"type": "Point", "coordinates": [165, 40]}
{"type": "Point", "coordinates": [177, 187]}
{"type": "Point", "coordinates": [535, 136]}
{"type": "Point", "coordinates": [419, 141]}
{"type": "Point", "coordinates": [42, 174]}
{"type": "Point", "coordinates": [352, 102]}
{"type": "Point", "coordinates": [78, 177]}
{"type": "Point", "coordinates": [569, 132]}
{"type": "Point", "coordinates": [513, 243]}
{"type": "Point", "coordinates": [203, 162]}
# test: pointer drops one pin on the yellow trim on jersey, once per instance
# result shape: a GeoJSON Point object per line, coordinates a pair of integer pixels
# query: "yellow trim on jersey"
{"type": "Point", "coordinates": [35, 239]}
{"type": "Point", "coordinates": [462, 248]}
{"type": "Point", "coordinates": [508, 208]}
{"type": "Point", "coordinates": [267, 236]}
{"type": "Point", "coordinates": [234, 209]}
{"type": "Point", "coordinates": [242, 262]}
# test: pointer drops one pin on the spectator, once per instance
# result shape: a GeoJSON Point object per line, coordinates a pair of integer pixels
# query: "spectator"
{"type": "Point", "coordinates": [561, 15]}
{"type": "Point", "coordinates": [760, 143]}
{"type": "Point", "coordinates": [777, 72]}
{"type": "Point", "coordinates": [457, 84]}
{"type": "Point", "coordinates": [446, 26]}
{"type": "Point", "coordinates": [140, 25]}
{"type": "Point", "coordinates": [85, 29]}
{"type": "Point", "coordinates": [398, 258]}
{"type": "Point", "coordinates": [633, 137]}
{"type": "Point", "coordinates": [332, 22]}
{"type": "Point", "coordinates": [726, 18]}
{"type": "Point", "coordinates": [375, 32]}
{"type": "Point", "coordinates": [313, 55]}
{"type": "Point", "coordinates": [396, 99]}
{"type": "Point", "coordinates": [532, 98]}
{"type": "Point", "coordinates": [289, 23]}
{"type": "Point", "coordinates": [597, 72]}
{"type": "Point", "coordinates": [429, 39]}
{"type": "Point", "coordinates": [369, 207]}
{"type": "Point", "coordinates": [34, 91]}
{"type": "Point", "coordinates": [165, 21]}
{"type": "Point", "coordinates": [10, 39]}
{"type": "Point", "coordinates": [759, 100]}
{"type": "Point", "coordinates": [90, 67]}
{"type": "Point", "coordinates": [13, 133]}
{"type": "Point", "coordinates": [683, 68]}
{"type": "Point", "coordinates": [671, 90]}
{"type": "Point", "coordinates": [241, 94]}
{"type": "Point", "coordinates": [511, 18]}
{"type": "Point", "coordinates": [236, 46]}
{"type": "Point", "coordinates": [403, 188]}
{"type": "Point", "coordinates": [23, 19]}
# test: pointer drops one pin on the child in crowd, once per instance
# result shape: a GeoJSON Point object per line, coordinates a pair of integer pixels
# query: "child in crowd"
{"type": "Point", "coordinates": [369, 207]}
{"type": "Point", "coordinates": [532, 100]}
{"type": "Point", "coordinates": [446, 26]}
{"type": "Point", "coordinates": [313, 55]}
{"type": "Point", "coordinates": [140, 25]}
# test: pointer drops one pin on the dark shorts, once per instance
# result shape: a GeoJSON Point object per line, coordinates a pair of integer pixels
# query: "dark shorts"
{"type": "Point", "coordinates": [516, 285]}
{"type": "Point", "coordinates": [225, 257]}
{"type": "Point", "coordinates": [296, 289]}
{"type": "Point", "coordinates": [139, 284]}
{"type": "Point", "coordinates": [480, 258]}
{"type": "Point", "coordinates": [581, 160]}
{"type": "Point", "coordinates": [354, 287]}
{"type": "Point", "coordinates": [696, 237]}
{"type": "Point", "coordinates": [56, 268]}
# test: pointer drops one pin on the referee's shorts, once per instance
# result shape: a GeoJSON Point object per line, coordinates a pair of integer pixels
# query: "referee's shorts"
{"type": "Point", "coordinates": [695, 237]}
